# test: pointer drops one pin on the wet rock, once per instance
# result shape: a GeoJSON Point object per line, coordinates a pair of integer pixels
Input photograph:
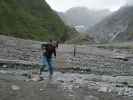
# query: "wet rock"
{"type": "Point", "coordinates": [125, 91]}
{"type": "Point", "coordinates": [25, 74]}
{"type": "Point", "coordinates": [125, 83]}
{"type": "Point", "coordinates": [125, 80]}
{"type": "Point", "coordinates": [61, 81]}
{"type": "Point", "coordinates": [3, 71]}
{"type": "Point", "coordinates": [130, 85]}
{"type": "Point", "coordinates": [91, 97]}
{"type": "Point", "coordinates": [120, 57]}
{"type": "Point", "coordinates": [77, 86]}
{"type": "Point", "coordinates": [119, 85]}
{"type": "Point", "coordinates": [35, 77]}
{"type": "Point", "coordinates": [15, 87]}
{"type": "Point", "coordinates": [5, 66]}
{"type": "Point", "coordinates": [41, 89]}
{"type": "Point", "coordinates": [103, 89]}
{"type": "Point", "coordinates": [71, 81]}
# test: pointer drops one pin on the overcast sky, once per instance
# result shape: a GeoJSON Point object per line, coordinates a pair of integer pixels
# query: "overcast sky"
{"type": "Point", "coordinates": [63, 5]}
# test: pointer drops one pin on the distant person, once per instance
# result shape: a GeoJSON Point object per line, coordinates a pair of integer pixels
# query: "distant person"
{"type": "Point", "coordinates": [57, 44]}
{"type": "Point", "coordinates": [48, 50]}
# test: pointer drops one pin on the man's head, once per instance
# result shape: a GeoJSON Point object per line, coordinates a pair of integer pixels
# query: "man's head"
{"type": "Point", "coordinates": [50, 41]}
{"type": "Point", "coordinates": [43, 45]}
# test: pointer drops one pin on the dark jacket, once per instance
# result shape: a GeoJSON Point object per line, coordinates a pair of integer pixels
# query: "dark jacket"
{"type": "Point", "coordinates": [50, 50]}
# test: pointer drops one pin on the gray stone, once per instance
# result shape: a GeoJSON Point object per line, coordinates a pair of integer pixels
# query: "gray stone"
{"type": "Point", "coordinates": [15, 87]}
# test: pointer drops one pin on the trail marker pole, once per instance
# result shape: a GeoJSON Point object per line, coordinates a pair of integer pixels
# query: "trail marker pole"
{"type": "Point", "coordinates": [74, 50]}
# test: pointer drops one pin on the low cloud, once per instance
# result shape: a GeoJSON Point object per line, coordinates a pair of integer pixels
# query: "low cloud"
{"type": "Point", "coordinates": [130, 2]}
{"type": "Point", "coordinates": [63, 5]}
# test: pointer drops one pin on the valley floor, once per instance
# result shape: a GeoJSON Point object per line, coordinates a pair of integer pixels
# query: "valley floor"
{"type": "Point", "coordinates": [92, 74]}
{"type": "Point", "coordinates": [63, 86]}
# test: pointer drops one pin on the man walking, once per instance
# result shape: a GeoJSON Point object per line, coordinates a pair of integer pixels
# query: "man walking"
{"type": "Point", "coordinates": [48, 50]}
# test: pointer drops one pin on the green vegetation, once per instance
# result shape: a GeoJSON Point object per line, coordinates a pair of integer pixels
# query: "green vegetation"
{"type": "Point", "coordinates": [31, 19]}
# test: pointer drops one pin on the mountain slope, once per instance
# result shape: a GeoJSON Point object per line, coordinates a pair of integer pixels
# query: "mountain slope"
{"type": "Point", "coordinates": [116, 27]}
{"type": "Point", "coordinates": [82, 16]}
{"type": "Point", "coordinates": [32, 19]}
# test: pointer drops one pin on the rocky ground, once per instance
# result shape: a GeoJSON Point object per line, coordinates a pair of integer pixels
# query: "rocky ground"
{"type": "Point", "coordinates": [93, 74]}
{"type": "Point", "coordinates": [63, 86]}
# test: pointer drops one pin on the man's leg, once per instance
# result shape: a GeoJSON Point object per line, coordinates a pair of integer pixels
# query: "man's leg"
{"type": "Point", "coordinates": [50, 66]}
{"type": "Point", "coordinates": [42, 69]}
{"type": "Point", "coordinates": [44, 65]}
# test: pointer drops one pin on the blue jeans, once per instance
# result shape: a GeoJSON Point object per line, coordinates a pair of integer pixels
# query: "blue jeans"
{"type": "Point", "coordinates": [50, 67]}
{"type": "Point", "coordinates": [47, 62]}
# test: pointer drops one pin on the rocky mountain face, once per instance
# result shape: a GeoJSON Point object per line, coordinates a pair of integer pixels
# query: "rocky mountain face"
{"type": "Point", "coordinates": [82, 18]}
{"type": "Point", "coordinates": [32, 19]}
{"type": "Point", "coordinates": [116, 27]}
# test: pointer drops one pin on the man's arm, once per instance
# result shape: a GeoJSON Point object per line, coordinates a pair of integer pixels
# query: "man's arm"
{"type": "Point", "coordinates": [54, 51]}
